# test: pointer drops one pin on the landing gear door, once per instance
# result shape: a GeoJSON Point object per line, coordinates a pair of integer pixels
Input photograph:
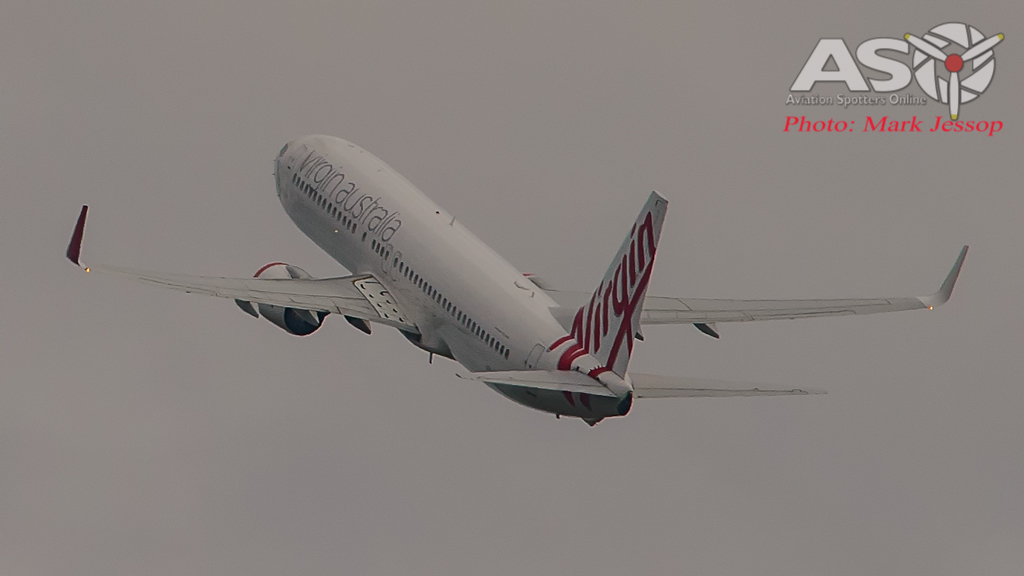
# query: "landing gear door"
{"type": "Point", "coordinates": [534, 356]}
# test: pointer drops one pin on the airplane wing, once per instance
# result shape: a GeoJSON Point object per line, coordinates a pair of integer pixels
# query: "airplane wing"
{"type": "Point", "coordinates": [359, 296]}
{"type": "Point", "coordinates": [653, 386]}
{"type": "Point", "coordinates": [705, 312]}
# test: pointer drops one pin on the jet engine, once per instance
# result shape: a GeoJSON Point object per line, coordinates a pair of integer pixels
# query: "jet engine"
{"type": "Point", "coordinates": [294, 321]}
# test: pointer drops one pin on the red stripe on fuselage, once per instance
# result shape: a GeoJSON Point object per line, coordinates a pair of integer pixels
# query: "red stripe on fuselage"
{"type": "Point", "coordinates": [568, 398]}
{"type": "Point", "coordinates": [571, 353]}
{"type": "Point", "coordinates": [585, 400]}
{"type": "Point", "coordinates": [264, 269]}
{"type": "Point", "coordinates": [560, 341]}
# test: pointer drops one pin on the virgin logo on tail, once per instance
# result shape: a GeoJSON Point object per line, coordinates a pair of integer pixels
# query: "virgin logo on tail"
{"type": "Point", "coordinates": [604, 327]}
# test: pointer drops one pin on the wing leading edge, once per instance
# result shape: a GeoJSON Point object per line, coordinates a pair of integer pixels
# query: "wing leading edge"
{"type": "Point", "coordinates": [336, 295]}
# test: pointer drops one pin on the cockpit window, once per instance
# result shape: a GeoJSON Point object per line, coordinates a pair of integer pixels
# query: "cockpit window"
{"type": "Point", "coordinates": [283, 150]}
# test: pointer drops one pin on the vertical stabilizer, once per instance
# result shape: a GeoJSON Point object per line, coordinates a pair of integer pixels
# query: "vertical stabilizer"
{"type": "Point", "coordinates": [604, 327]}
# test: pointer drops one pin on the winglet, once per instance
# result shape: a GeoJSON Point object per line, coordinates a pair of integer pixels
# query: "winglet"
{"type": "Point", "coordinates": [75, 246]}
{"type": "Point", "coordinates": [942, 296]}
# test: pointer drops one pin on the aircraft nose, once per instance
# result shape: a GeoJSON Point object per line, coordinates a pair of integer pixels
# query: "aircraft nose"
{"type": "Point", "coordinates": [282, 166]}
{"type": "Point", "coordinates": [288, 147]}
{"type": "Point", "coordinates": [286, 155]}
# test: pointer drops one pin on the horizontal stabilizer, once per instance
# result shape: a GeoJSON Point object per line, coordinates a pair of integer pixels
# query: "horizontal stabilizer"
{"type": "Point", "coordinates": [557, 380]}
{"type": "Point", "coordinates": [653, 386]}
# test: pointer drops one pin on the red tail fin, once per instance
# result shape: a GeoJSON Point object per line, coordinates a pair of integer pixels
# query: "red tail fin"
{"type": "Point", "coordinates": [604, 327]}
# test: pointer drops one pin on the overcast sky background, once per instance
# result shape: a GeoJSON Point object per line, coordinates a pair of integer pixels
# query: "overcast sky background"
{"type": "Point", "coordinates": [151, 432]}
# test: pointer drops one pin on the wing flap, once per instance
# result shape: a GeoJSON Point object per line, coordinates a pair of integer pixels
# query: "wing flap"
{"type": "Point", "coordinates": [654, 386]}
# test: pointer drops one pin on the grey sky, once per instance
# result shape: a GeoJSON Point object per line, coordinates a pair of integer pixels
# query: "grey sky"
{"type": "Point", "coordinates": [150, 432]}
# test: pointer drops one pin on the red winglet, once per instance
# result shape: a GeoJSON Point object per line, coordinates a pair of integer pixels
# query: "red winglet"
{"type": "Point", "coordinates": [75, 246]}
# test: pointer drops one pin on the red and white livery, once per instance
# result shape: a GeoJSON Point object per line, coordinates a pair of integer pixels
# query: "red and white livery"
{"type": "Point", "coordinates": [415, 268]}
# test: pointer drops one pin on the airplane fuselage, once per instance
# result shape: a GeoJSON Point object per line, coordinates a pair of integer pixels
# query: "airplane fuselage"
{"type": "Point", "coordinates": [468, 302]}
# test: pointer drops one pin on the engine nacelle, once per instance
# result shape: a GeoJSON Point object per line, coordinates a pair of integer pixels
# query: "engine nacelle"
{"type": "Point", "coordinates": [292, 320]}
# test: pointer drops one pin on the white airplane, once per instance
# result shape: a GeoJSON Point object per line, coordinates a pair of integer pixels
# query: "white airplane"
{"type": "Point", "coordinates": [417, 269]}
